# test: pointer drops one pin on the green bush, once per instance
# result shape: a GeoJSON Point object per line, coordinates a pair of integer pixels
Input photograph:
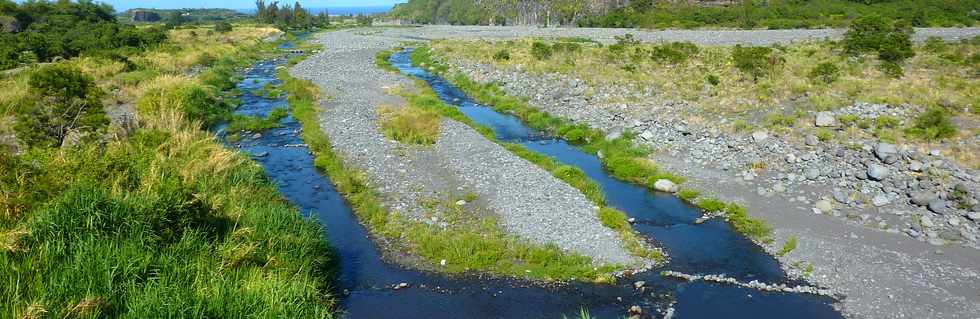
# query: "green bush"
{"type": "Point", "coordinates": [541, 51]}
{"type": "Point", "coordinates": [567, 47]}
{"type": "Point", "coordinates": [825, 72]}
{"type": "Point", "coordinates": [875, 34]}
{"type": "Point", "coordinates": [754, 61]}
{"type": "Point", "coordinates": [713, 79]}
{"type": "Point", "coordinates": [932, 124]}
{"type": "Point", "coordinates": [64, 100]}
{"type": "Point", "coordinates": [502, 55]}
{"type": "Point", "coordinates": [891, 69]}
{"type": "Point", "coordinates": [223, 27]}
{"type": "Point", "coordinates": [674, 52]}
{"type": "Point", "coordinates": [192, 100]}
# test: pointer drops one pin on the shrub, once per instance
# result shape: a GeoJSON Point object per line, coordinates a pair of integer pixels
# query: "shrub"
{"type": "Point", "coordinates": [713, 79]}
{"type": "Point", "coordinates": [788, 246]}
{"type": "Point", "coordinates": [502, 55]}
{"type": "Point", "coordinates": [934, 45]}
{"type": "Point", "coordinates": [191, 99]}
{"type": "Point", "coordinates": [223, 27]}
{"type": "Point", "coordinates": [891, 69]}
{"type": "Point", "coordinates": [932, 124]}
{"type": "Point", "coordinates": [674, 53]}
{"type": "Point", "coordinates": [754, 61]}
{"type": "Point", "coordinates": [886, 121]}
{"type": "Point", "coordinates": [65, 99]}
{"type": "Point", "coordinates": [411, 124]}
{"type": "Point", "coordinates": [876, 34]}
{"type": "Point", "coordinates": [567, 47]}
{"type": "Point", "coordinates": [825, 72]}
{"type": "Point", "coordinates": [824, 135]}
{"type": "Point", "coordinates": [623, 42]}
{"type": "Point", "coordinates": [541, 51]}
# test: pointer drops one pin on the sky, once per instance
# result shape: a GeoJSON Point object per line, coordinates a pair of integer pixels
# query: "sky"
{"type": "Point", "coordinates": [121, 5]}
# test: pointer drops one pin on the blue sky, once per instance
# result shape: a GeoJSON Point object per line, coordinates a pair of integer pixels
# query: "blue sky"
{"type": "Point", "coordinates": [121, 5]}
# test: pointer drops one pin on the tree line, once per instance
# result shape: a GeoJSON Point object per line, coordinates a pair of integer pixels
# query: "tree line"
{"type": "Point", "coordinates": [771, 14]}
{"type": "Point", "coordinates": [287, 16]}
{"type": "Point", "coordinates": [41, 31]}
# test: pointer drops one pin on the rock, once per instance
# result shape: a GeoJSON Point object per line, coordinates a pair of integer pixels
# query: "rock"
{"type": "Point", "coordinates": [460, 202]}
{"type": "Point", "coordinates": [779, 188]}
{"type": "Point", "coordinates": [256, 136]}
{"type": "Point", "coordinates": [926, 222]}
{"type": "Point", "coordinates": [812, 173]}
{"type": "Point", "coordinates": [664, 185]}
{"type": "Point", "coordinates": [824, 206]}
{"type": "Point", "coordinates": [646, 135]}
{"type": "Point", "coordinates": [442, 262]}
{"type": "Point", "coordinates": [635, 310]}
{"type": "Point", "coordinates": [631, 220]}
{"type": "Point", "coordinates": [639, 284]}
{"type": "Point", "coordinates": [974, 216]}
{"type": "Point", "coordinates": [825, 119]}
{"type": "Point", "coordinates": [261, 154]}
{"type": "Point", "coordinates": [841, 196]}
{"type": "Point", "coordinates": [915, 166]}
{"type": "Point", "coordinates": [811, 140]}
{"type": "Point", "coordinates": [861, 175]}
{"type": "Point", "coordinates": [923, 198]}
{"type": "Point", "coordinates": [935, 153]}
{"type": "Point", "coordinates": [950, 235]}
{"type": "Point", "coordinates": [878, 172]}
{"type": "Point", "coordinates": [401, 286]}
{"type": "Point", "coordinates": [887, 153]}
{"type": "Point", "coordinates": [760, 136]}
{"type": "Point", "coordinates": [880, 200]}
{"type": "Point", "coordinates": [937, 206]}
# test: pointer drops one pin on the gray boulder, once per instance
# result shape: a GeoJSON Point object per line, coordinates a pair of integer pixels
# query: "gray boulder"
{"type": "Point", "coordinates": [880, 200]}
{"type": "Point", "coordinates": [878, 172]}
{"type": "Point", "coordinates": [760, 136]}
{"type": "Point", "coordinates": [887, 153]}
{"type": "Point", "coordinates": [824, 206]}
{"type": "Point", "coordinates": [938, 206]}
{"type": "Point", "coordinates": [923, 198]}
{"type": "Point", "coordinates": [664, 185]}
{"type": "Point", "coordinates": [825, 119]}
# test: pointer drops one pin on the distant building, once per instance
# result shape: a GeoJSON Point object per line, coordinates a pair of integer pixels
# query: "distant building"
{"type": "Point", "coordinates": [145, 16]}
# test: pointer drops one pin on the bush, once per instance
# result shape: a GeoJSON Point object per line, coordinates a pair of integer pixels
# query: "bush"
{"type": "Point", "coordinates": [223, 27]}
{"type": "Point", "coordinates": [541, 51]}
{"type": "Point", "coordinates": [825, 72]}
{"type": "Point", "coordinates": [891, 69]}
{"type": "Point", "coordinates": [65, 99]}
{"type": "Point", "coordinates": [567, 47]}
{"type": "Point", "coordinates": [932, 124]}
{"type": "Point", "coordinates": [754, 61]}
{"type": "Point", "coordinates": [190, 99]}
{"type": "Point", "coordinates": [674, 53]}
{"type": "Point", "coordinates": [502, 55]}
{"type": "Point", "coordinates": [875, 34]}
{"type": "Point", "coordinates": [713, 79]}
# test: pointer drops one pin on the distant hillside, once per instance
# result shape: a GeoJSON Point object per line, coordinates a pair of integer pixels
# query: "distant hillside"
{"type": "Point", "coordinates": [188, 15]}
{"type": "Point", "coordinates": [773, 14]}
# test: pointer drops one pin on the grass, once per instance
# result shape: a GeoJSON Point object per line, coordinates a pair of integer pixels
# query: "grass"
{"type": "Point", "coordinates": [468, 245]}
{"type": "Point", "coordinates": [788, 246]}
{"type": "Point", "coordinates": [621, 157]}
{"type": "Point", "coordinates": [242, 123]}
{"type": "Point", "coordinates": [163, 223]}
{"type": "Point", "coordinates": [381, 61]}
{"type": "Point", "coordinates": [936, 75]}
{"type": "Point", "coordinates": [410, 125]}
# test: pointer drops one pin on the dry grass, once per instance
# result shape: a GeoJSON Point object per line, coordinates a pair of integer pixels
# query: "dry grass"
{"type": "Point", "coordinates": [930, 79]}
{"type": "Point", "coordinates": [410, 124]}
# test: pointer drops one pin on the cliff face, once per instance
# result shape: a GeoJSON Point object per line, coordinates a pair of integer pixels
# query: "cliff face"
{"type": "Point", "coordinates": [497, 12]}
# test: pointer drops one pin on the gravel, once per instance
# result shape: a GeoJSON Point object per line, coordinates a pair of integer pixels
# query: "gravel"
{"type": "Point", "coordinates": [461, 161]}
{"type": "Point", "coordinates": [872, 244]}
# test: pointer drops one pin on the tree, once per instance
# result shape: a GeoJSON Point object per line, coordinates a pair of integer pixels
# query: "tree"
{"type": "Point", "coordinates": [65, 100]}
{"type": "Point", "coordinates": [892, 41]}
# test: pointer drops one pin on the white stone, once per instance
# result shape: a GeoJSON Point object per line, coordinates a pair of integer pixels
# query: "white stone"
{"type": "Point", "coordinates": [664, 185]}
{"type": "Point", "coordinates": [825, 119]}
{"type": "Point", "coordinates": [760, 136]}
{"type": "Point", "coordinates": [824, 206]}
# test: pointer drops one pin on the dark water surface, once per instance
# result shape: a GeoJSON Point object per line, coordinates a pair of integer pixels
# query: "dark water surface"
{"type": "Point", "coordinates": [365, 279]}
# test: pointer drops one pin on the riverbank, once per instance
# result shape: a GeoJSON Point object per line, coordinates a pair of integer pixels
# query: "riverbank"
{"type": "Point", "coordinates": [157, 217]}
{"type": "Point", "coordinates": [846, 266]}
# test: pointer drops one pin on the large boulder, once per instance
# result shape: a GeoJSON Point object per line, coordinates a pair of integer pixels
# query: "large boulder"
{"type": "Point", "coordinates": [825, 119]}
{"type": "Point", "coordinates": [760, 136]}
{"type": "Point", "coordinates": [664, 185]}
{"type": "Point", "coordinates": [887, 153]}
{"type": "Point", "coordinates": [922, 198]}
{"type": "Point", "coordinates": [878, 172]}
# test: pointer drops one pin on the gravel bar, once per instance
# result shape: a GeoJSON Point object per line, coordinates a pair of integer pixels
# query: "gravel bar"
{"type": "Point", "coordinates": [461, 160]}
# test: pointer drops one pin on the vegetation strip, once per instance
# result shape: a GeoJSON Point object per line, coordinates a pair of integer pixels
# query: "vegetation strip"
{"type": "Point", "coordinates": [573, 176]}
{"type": "Point", "coordinates": [467, 245]}
{"type": "Point", "coordinates": [620, 156]}
{"type": "Point", "coordinates": [155, 220]}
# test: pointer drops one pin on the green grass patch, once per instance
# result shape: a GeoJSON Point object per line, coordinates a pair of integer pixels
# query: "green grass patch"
{"type": "Point", "coordinates": [382, 62]}
{"type": "Point", "coordinates": [240, 123]}
{"type": "Point", "coordinates": [788, 246]}
{"type": "Point", "coordinates": [410, 125]}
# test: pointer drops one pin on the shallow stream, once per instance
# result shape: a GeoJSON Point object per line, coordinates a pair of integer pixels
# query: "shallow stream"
{"type": "Point", "coordinates": [366, 279]}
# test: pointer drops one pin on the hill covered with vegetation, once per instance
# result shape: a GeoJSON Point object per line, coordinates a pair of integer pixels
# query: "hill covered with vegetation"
{"type": "Point", "coordinates": [772, 14]}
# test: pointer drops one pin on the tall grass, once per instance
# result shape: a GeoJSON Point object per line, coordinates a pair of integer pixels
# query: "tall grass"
{"type": "Point", "coordinates": [164, 223]}
{"type": "Point", "coordinates": [411, 125]}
